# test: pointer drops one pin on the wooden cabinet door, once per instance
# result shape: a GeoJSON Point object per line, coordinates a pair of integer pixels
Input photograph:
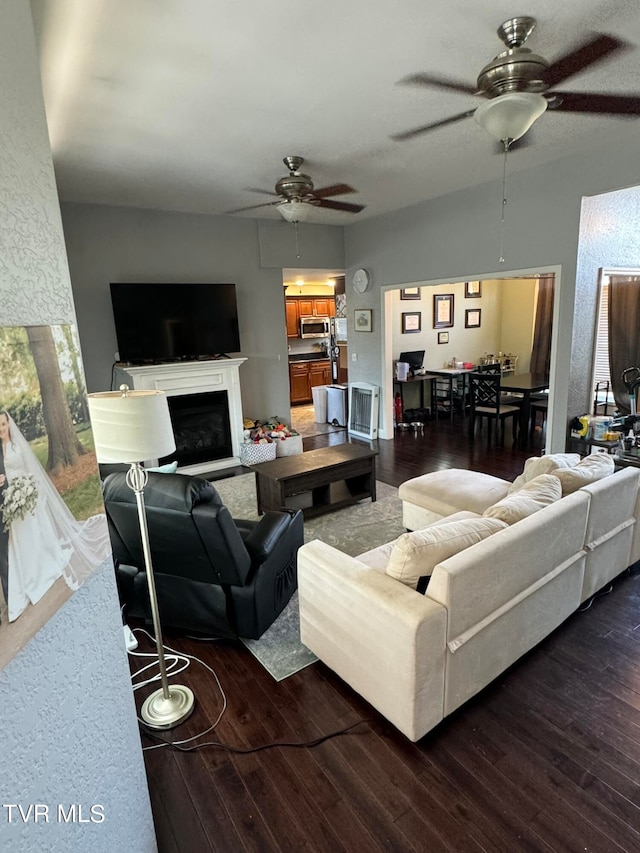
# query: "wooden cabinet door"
{"type": "Point", "coordinates": [292, 316]}
{"type": "Point", "coordinates": [321, 307]}
{"type": "Point", "coordinates": [300, 388]}
{"type": "Point", "coordinates": [318, 373]}
{"type": "Point", "coordinates": [305, 307]}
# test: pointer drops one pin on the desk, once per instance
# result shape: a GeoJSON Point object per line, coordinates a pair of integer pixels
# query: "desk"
{"type": "Point", "coordinates": [525, 384]}
{"type": "Point", "coordinates": [402, 383]}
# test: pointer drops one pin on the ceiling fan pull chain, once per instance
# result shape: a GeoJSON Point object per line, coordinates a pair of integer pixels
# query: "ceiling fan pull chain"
{"type": "Point", "coordinates": [504, 199]}
{"type": "Point", "coordinates": [297, 244]}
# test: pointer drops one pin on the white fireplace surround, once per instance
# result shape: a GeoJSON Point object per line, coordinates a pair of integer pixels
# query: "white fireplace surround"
{"type": "Point", "coordinates": [194, 377]}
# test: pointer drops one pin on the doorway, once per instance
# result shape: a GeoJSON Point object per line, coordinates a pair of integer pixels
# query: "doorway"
{"type": "Point", "coordinates": [389, 298]}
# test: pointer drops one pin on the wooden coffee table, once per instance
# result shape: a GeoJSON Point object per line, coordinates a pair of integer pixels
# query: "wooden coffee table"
{"type": "Point", "coordinates": [317, 481]}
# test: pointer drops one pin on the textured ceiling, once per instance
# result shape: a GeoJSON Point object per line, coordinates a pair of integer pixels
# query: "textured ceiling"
{"type": "Point", "coordinates": [182, 105]}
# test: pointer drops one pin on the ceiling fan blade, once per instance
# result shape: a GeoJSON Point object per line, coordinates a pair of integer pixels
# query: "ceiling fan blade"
{"type": "Point", "coordinates": [253, 207]}
{"type": "Point", "coordinates": [262, 192]}
{"type": "Point", "coordinates": [334, 189]}
{"type": "Point", "coordinates": [409, 134]}
{"type": "Point", "coordinates": [588, 53]}
{"type": "Point", "coordinates": [439, 82]}
{"type": "Point", "coordinates": [596, 102]}
{"type": "Point", "coordinates": [340, 205]}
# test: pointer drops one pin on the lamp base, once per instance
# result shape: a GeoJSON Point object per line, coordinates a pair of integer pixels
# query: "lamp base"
{"type": "Point", "coordinates": [160, 713]}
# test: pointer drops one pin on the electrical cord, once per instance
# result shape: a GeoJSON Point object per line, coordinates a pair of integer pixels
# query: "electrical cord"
{"type": "Point", "coordinates": [246, 750]}
{"type": "Point", "coordinates": [600, 594]}
{"type": "Point", "coordinates": [176, 662]}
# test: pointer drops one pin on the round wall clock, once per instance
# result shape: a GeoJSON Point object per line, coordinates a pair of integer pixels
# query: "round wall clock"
{"type": "Point", "coordinates": [361, 281]}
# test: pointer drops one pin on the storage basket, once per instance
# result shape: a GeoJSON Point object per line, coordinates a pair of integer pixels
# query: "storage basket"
{"type": "Point", "coordinates": [252, 454]}
{"type": "Point", "coordinates": [290, 446]}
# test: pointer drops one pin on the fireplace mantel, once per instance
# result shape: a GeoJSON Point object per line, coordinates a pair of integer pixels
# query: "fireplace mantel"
{"type": "Point", "coordinates": [193, 377]}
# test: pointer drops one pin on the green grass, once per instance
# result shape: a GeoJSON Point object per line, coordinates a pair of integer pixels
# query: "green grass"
{"type": "Point", "coordinates": [85, 499]}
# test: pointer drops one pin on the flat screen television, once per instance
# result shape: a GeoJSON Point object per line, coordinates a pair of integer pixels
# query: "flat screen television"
{"type": "Point", "coordinates": [174, 322]}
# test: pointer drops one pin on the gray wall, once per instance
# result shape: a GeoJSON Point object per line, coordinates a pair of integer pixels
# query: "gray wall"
{"type": "Point", "coordinates": [106, 244]}
{"type": "Point", "coordinates": [69, 731]}
{"type": "Point", "coordinates": [456, 238]}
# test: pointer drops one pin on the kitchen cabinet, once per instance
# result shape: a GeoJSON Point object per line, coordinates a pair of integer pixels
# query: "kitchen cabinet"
{"type": "Point", "coordinates": [292, 317]}
{"type": "Point", "coordinates": [305, 375]}
{"type": "Point", "coordinates": [319, 373]}
{"type": "Point", "coordinates": [299, 306]}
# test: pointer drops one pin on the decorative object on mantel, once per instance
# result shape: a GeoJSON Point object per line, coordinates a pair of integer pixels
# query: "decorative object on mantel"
{"type": "Point", "coordinates": [130, 427]}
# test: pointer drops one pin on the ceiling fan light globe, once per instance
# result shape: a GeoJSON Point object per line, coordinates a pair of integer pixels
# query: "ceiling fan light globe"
{"type": "Point", "coordinates": [294, 211]}
{"type": "Point", "coordinates": [510, 116]}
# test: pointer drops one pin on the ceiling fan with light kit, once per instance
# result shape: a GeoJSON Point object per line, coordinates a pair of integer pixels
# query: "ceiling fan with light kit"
{"type": "Point", "coordinates": [520, 86]}
{"type": "Point", "coordinates": [296, 196]}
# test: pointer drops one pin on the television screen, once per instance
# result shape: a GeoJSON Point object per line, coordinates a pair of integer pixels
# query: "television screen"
{"type": "Point", "coordinates": [170, 322]}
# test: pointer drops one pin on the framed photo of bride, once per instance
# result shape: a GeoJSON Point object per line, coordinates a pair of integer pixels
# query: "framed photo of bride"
{"type": "Point", "coordinates": [53, 529]}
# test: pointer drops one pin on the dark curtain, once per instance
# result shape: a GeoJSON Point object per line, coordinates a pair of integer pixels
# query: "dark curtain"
{"type": "Point", "coordinates": [624, 333]}
{"type": "Point", "coordinates": [541, 350]}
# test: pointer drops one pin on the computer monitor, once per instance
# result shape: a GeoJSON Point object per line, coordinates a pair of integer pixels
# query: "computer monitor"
{"type": "Point", "coordinates": [414, 359]}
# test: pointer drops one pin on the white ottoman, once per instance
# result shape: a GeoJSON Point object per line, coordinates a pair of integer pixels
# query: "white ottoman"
{"type": "Point", "coordinates": [432, 496]}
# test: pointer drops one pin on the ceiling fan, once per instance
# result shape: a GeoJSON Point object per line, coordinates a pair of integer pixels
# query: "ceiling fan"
{"type": "Point", "coordinates": [296, 197]}
{"type": "Point", "coordinates": [519, 85]}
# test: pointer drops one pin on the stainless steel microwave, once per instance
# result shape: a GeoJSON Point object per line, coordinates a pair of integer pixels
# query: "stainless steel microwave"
{"type": "Point", "coordinates": [314, 327]}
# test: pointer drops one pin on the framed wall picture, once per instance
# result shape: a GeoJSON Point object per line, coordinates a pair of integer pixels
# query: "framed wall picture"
{"type": "Point", "coordinates": [472, 289]}
{"type": "Point", "coordinates": [410, 293]}
{"type": "Point", "coordinates": [411, 322]}
{"type": "Point", "coordinates": [363, 320]}
{"type": "Point", "coordinates": [472, 318]}
{"type": "Point", "coordinates": [443, 311]}
{"type": "Point", "coordinates": [443, 337]}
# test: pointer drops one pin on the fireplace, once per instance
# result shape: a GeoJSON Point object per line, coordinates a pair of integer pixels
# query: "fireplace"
{"type": "Point", "coordinates": [205, 405]}
{"type": "Point", "coordinates": [200, 427]}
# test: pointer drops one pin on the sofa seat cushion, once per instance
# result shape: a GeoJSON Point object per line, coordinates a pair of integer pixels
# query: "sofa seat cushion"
{"type": "Point", "coordinates": [378, 558]}
{"type": "Point", "coordinates": [540, 492]}
{"type": "Point", "coordinates": [446, 492]}
{"type": "Point", "coordinates": [416, 554]}
{"type": "Point", "coordinates": [590, 469]}
{"type": "Point", "coordinates": [536, 465]}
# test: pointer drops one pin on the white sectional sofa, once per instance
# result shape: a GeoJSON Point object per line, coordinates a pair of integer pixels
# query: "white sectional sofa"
{"type": "Point", "coordinates": [502, 577]}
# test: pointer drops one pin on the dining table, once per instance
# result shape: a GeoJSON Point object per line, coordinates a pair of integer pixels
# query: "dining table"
{"type": "Point", "coordinates": [525, 384]}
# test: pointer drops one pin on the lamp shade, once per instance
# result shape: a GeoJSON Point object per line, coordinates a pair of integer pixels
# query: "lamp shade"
{"type": "Point", "coordinates": [294, 211]}
{"type": "Point", "coordinates": [510, 116]}
{"type": "Point", "coordinates": [130, 426]}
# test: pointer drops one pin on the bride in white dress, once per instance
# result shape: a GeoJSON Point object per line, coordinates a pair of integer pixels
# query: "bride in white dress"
{"type": "Point", "coordinates": [48, 542]}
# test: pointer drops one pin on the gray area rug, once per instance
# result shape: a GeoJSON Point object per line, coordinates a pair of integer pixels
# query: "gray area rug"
{"type": "Point", "coordinates": [353, 530]}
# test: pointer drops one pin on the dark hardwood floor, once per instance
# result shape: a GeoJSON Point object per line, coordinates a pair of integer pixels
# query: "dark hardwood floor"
{"type": "Point", "coordinates": [547, 758]}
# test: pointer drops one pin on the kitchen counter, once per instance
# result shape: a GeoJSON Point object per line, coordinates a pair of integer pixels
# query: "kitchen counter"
{"type": "Point", "coordinates": [307, 356]}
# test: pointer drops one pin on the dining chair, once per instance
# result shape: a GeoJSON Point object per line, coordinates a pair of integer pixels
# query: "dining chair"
{"type": "Point", "coordinates": [539, 403]}
{"type": "Point", "coordinates": [486, 402]}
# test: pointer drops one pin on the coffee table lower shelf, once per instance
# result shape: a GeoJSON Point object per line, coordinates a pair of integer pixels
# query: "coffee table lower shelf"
{"type": "Point", "coordinates": [327, 482]}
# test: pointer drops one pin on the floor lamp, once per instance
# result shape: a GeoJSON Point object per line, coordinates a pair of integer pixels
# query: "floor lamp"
{"type": "Point", "coordinates": [131, 427]}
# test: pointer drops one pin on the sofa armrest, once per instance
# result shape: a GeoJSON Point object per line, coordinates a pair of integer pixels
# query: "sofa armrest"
{"type": "Point", "coordinates": [383, 638]}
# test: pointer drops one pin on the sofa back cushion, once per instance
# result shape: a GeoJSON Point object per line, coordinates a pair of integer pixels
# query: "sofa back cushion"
{"type": "Point", "coordinates": [415, 554]}
{"type": "Point", "coordinates": [538, 493]}
{"type": "Point", "coordinates": [475, 583]}
{"type": "Point", "coordinates": [588, 470]}
{"type": "Point", "coordinates": [536, 465]}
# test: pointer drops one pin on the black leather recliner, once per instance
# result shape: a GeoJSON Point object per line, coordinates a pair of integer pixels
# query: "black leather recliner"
{"type": "Point", "coordinates": [214, 575]}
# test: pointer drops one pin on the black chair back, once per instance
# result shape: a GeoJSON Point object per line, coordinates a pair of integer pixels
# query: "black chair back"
{"type": "Point", "coordinates": [495, 367]}
{"type": "Point", "coordinates": [485, 391]}
{"type": "Point", "coordinates": [192, 534]}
